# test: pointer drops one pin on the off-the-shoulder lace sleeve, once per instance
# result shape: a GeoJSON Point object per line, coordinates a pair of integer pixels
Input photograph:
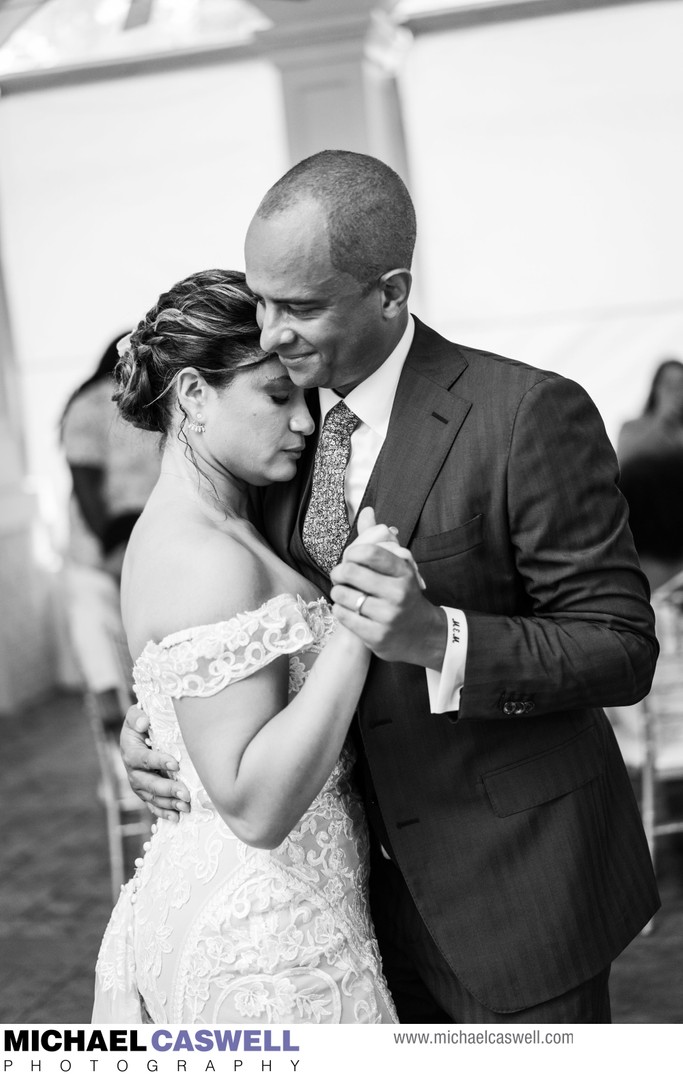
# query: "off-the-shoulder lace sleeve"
{"type": "Point", "coordinates": [201, 661]}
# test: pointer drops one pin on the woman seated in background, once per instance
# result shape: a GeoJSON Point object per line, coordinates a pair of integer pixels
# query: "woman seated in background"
{"type": "Point", "coordinates": [113, 470]}
{"type": "Point", "coordinates": [650, 451]}
{"type": "Point", "coordinates": [254, 907]}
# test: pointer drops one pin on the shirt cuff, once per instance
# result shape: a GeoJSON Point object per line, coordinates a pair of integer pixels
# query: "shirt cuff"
{"type": "Point", "coordinates": [444, 687]}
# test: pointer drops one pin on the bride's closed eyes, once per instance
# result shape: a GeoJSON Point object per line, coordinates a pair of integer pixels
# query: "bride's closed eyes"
{"type": "Point", "coordinates": [280, 389]}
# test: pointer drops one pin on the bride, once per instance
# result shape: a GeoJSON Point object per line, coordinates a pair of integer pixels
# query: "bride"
{"type": "Point", "coordinates": [254, 906]}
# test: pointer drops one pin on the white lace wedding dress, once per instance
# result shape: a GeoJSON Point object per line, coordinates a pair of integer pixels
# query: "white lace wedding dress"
{"type": "Point", "coordinates": [211, 930]}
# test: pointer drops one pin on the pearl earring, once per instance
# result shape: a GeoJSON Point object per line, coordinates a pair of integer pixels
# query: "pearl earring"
{"type": "Point", "coordinates": [197, 425]}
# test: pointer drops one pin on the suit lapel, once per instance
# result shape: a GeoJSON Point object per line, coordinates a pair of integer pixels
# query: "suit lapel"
{"type": "Point", "coordinates": [425, 421]}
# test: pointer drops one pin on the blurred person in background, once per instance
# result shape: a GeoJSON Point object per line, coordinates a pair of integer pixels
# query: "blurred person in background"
{"type": "Point", "coordinates": [650, 452]}
{"type": "Point", "coordinates": [113, 470]}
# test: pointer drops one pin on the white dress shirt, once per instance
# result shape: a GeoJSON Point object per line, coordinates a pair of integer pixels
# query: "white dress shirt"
{"type": "Point", "coordinates": [372, 401]}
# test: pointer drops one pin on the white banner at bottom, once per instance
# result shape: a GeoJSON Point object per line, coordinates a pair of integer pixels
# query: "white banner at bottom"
{"type": "Point", "coordinates": [344, 1050]}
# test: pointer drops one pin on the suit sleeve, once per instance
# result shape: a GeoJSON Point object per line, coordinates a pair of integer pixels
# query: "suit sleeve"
{"type": "Point", "coordinates": [585, 633]}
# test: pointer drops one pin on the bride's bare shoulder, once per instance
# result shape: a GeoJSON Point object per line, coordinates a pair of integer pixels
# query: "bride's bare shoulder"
{"type": "Point", "coordinates": [198, 574]}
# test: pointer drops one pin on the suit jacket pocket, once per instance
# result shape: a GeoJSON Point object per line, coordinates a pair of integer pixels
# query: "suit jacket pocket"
{"type": "Point", "coordinates": [449, 543]}
{"type": "Point", "coordinates": [545, 777]}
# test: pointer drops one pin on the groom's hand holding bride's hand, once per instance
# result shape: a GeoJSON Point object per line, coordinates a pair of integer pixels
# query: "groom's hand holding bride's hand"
{"type": "Point", "coordinates": [148, 769]}
{"type": "Point", "coordinates": [396, 621]}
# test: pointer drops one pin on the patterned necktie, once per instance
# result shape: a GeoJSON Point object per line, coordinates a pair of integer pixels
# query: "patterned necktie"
{"type": "Point", "coordinates": [326, 526]}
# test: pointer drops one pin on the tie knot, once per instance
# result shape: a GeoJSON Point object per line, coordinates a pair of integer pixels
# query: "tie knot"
{"type": "Point", "coordinates": [340, 419]}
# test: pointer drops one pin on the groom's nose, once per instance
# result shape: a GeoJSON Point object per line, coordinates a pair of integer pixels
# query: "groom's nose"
{"type": "Point", "coordinates": [275, 334]}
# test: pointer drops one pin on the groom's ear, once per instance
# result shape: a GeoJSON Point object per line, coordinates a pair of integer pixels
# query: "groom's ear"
{"type": "Point", "coordinates": [394, 288]}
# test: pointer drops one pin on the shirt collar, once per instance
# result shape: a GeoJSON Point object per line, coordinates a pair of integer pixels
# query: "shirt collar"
{"type": "Point", "coordinates": [373, 399]}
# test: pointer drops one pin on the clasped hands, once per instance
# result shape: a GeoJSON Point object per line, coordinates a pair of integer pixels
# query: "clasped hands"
{"type": "Point", "coordinates": [396, 622]}
{"type": "Point", "coordinates": [378, 595]}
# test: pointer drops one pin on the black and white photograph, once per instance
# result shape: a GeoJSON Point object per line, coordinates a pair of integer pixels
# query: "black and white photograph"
{"type": "Point", "coordinates": [341, 568]}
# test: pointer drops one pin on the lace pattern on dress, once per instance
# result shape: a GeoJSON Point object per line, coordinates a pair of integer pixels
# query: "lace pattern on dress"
{"type": "Point", "coordinates": [212, 930]}
{"type": "Point", "coordinates": [201, 661]}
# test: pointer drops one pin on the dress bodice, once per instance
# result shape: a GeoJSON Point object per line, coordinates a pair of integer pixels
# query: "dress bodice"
{"type": "Point", "coordinates": [203, 660]}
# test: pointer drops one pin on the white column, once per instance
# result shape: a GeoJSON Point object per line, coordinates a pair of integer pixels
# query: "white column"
{"type": "Point", "coordinates": [27, 662]}
{"type": "Point", "coordinates": [338, 64]}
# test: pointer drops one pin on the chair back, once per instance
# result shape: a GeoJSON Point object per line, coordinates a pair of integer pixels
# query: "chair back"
{"type": "Point", "coordinates": [663, 707]}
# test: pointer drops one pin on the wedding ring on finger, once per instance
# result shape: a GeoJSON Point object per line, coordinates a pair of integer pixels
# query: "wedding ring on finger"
{"type": "Point", "coordinates": [358, 609]}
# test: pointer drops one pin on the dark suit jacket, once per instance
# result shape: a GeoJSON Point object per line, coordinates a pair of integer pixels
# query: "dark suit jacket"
{"type": "Point", "coordinates": [513, 820]}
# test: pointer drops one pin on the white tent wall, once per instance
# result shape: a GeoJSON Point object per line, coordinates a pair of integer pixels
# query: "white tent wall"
{"type": "Point", "coordinates": [547, 165]}
{"type": "Point", "coordinates": [112, 191]}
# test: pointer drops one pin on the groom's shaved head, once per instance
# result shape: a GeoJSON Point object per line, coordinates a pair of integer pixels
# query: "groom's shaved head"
{"type": "Point", "coordinates": [368, 211]}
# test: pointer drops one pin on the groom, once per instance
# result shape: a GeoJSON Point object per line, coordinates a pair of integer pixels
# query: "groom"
{"type": "Point", "coordinates": [509, 863]}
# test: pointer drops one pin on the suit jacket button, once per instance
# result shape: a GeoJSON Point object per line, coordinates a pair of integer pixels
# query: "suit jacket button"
{"type": "Point", "coordinates": [509, 708]}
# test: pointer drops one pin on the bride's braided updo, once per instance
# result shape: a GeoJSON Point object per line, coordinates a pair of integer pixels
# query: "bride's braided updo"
{"type": "Point", "coordinates": [208, 322]}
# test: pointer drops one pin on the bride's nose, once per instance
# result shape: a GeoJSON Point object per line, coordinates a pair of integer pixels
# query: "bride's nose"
{"type": "Point", "coordinates": [302, 422]}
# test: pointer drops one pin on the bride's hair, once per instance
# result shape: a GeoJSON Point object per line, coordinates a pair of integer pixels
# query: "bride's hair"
{"type": "Point", "coordinates": [208, 322]}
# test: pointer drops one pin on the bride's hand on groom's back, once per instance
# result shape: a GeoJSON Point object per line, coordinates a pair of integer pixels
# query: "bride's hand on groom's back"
{"type": "Point", "coordinates": [150, 772]}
